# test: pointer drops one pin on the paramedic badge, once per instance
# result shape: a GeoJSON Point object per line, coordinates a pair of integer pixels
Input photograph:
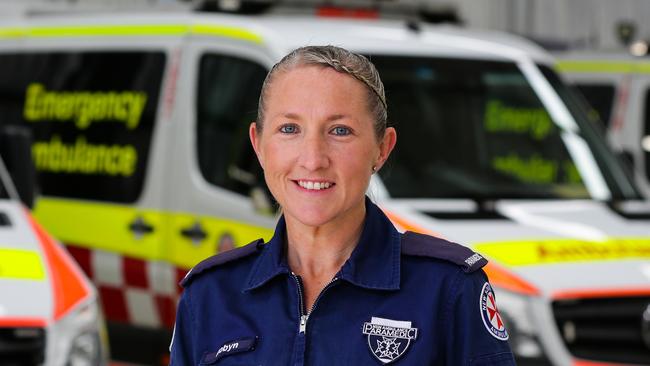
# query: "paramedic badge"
{"type": "Point", "coordinates": [389, 339]}
{"type": "Point", "coordinates": [490, 314]}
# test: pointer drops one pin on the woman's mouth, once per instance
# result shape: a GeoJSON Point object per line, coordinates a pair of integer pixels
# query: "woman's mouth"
{"type": "Point", "coordinates": [314, 185]}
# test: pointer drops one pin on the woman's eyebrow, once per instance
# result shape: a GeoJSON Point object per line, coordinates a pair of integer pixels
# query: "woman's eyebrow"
{"type": "Point", "coordinates": [291, 116]}
{"type": "Point", "coordinates": [336, 117]}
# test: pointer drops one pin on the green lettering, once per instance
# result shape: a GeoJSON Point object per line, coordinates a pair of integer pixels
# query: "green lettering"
{"type": "Point", "coordinates": [31, 112]}
{"type": "Point", "coordinates": [532, 121]}
{"type": "Point", "coordinates": [82, 107]}
{"type": "Point", "coordinates": [136, 107]}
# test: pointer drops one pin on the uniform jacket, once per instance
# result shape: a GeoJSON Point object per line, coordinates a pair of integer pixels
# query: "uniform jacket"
{"type": "Point", "coordinates": [406, 299]}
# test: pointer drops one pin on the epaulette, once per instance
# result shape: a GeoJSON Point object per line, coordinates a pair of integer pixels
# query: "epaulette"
{"type": "Point", "coordinates": [428, 246]}
{"type": "Point", "coordinates": [221, 258]}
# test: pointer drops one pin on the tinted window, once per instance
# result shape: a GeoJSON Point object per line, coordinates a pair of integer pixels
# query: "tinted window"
{"type": "Point", "coordinates": [92, 116]}
{"type": "Point", "coordinates": [228, 92]}
{"type": "Point", "coordinates": [472, 129]}
{"type": "Point", "coordinates": [600, 98]}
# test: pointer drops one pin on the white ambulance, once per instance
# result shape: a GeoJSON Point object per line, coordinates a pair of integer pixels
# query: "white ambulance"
{"type": "Point", "coordinates": [49, 312]}
{"type": "Point", "coordinates": [141, 146]}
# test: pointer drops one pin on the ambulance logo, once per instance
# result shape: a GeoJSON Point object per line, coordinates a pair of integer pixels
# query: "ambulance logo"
{"type": "Point", "coordinates": [490, 314]}
{"type": "Point", "coordinates": [388, 339]}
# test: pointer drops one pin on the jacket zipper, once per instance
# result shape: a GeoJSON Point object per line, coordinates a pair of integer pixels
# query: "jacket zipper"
{"type": "Point", "coordinates": [305, 316]}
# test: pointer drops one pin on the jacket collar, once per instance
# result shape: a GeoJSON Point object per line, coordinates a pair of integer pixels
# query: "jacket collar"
{"type": "Point", "coordinates": [373, 264]}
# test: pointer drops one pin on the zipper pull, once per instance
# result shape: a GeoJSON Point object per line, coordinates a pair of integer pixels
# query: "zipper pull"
{"type": "Point", "coordinates": [303, 323]}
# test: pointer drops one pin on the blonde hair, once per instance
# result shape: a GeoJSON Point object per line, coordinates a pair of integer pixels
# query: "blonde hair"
{"type": "Point", "coordinates": [342, 61]}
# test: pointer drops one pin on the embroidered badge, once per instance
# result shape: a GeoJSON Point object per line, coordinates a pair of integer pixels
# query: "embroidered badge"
{"type": "Point", "coordinates": [389, 339]}
{"type": "Point", "coordinates": [232, 347]}
{"type": "Point", "coordinates": [490, 314]}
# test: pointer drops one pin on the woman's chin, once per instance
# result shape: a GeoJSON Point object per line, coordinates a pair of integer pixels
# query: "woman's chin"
{"type": "Point", "coordinates": [309, 216]}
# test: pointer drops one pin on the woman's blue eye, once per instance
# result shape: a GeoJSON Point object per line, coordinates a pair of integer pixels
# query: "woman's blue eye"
{"type": "Point", "coordinates": [288, 129]}
{"type": "Point", "coordinates": [341, 131]}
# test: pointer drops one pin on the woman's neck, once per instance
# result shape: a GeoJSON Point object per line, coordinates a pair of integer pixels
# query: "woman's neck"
{"type": "Point", "coordinates": [317, 253]}
{"type": "Point", "coordinates": [312, 250]}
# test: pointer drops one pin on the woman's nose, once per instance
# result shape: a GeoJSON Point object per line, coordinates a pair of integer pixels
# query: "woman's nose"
{"type": "Point", "coordinates": [314, 153]}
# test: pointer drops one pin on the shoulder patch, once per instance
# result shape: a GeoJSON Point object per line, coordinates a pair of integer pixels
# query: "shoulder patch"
{"type": "Point", "coordinates": [221, 258]}
{"type": "Point", "coordinates": [428, 246]}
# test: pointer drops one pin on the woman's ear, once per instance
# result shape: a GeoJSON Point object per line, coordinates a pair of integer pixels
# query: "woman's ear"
{"type": "Point", "coordinates": [386, 146]}
{"type": "Point", "coordinates": [254, 136]}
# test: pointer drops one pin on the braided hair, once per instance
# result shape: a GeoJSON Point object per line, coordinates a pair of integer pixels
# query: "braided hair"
{"type": "Point", "coordinates": [342, 61]}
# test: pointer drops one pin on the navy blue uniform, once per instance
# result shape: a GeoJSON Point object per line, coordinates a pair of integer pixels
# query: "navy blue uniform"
{"type": "Point", "coordinates": [407, 299]}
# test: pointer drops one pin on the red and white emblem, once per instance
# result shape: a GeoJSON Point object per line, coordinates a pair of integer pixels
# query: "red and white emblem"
{"type": "Point", "coordinates": [490, 314]}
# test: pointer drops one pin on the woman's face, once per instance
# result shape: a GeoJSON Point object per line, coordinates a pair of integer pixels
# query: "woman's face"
{"type": "Point", "coordinates": [318, 144]}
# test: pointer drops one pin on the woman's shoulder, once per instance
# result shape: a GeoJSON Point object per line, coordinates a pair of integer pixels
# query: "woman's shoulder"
{"type": "Point", "coordinates": [421, 245]}
{"type": "Point", "coordinates": [222, 259]}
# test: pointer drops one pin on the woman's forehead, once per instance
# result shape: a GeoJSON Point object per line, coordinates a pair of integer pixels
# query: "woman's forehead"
{"type": "Point", "coordinates": [305, 85]}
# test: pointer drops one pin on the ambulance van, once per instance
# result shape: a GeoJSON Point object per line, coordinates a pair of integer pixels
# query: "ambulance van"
{"type": "Point", "coordinates": [49, 310]}
{"type": "Point", "coordinates": [617, 86]}
{"type": "Point", "coordinates": [142, 152]}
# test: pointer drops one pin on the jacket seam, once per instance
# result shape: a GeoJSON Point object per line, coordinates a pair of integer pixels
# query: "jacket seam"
{"type": "Point", "coordinates": [189, 311]}
{"type": "Point", "coordinates": [397, 257]}
{"type": "Point", "coordinates": [448, 305]}
{"type": "Point", "coordinates": [251, 283]}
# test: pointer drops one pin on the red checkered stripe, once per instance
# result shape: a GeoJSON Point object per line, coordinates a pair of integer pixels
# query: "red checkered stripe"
{"type": "Point", "coordinates": [133, 291]}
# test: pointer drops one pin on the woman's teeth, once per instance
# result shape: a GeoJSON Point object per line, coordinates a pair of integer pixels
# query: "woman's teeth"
{"type": "Point", "coordinates": [314, 185]}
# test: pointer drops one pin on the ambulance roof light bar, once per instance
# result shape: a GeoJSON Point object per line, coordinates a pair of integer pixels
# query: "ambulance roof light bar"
{"type": "Point", "coordinates": [444, 11]}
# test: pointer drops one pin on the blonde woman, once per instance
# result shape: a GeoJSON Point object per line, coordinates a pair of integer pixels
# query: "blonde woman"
{"type": "Point", "coordinates": [337, 284]}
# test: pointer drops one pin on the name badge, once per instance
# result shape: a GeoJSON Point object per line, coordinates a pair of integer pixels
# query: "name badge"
{"type": "Point", "coordinates": [229, 348]}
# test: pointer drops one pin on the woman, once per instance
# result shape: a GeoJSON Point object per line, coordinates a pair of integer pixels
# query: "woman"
{"type": "Point", "coordinates": [337, 284]}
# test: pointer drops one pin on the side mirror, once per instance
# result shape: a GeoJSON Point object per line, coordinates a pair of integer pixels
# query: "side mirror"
{"type": "Point", "coordinates": [16, 152]}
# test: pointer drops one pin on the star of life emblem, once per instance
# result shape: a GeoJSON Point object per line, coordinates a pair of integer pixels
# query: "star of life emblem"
{"type": "Point", "coordinates": [490, 314]}
{"type": "Point", "coordinates": [389, 339]}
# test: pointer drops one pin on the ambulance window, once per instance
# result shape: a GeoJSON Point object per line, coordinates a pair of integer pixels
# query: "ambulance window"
{"type": "Point", "coordinates": [472, 129]}
{"type": "Point", "coordinates": [92, 116]}
{"type": "Point", "coordinates": [228, 92]}
{"type": "Point", "coordinates": [601, 98]}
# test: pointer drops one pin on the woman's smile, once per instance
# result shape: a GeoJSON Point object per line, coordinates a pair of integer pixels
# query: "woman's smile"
{"type": "Point", "coordinates": [315, 185]}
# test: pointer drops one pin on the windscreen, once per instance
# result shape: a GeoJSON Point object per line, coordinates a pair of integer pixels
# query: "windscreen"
{"type": "Point", "coordinates": [472, 129]}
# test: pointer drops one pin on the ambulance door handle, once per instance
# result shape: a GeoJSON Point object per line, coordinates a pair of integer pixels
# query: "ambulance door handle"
{"type": "Point", "coordinates": [140, 227]}
{"type": "Point", "coordinates": [194, 233]}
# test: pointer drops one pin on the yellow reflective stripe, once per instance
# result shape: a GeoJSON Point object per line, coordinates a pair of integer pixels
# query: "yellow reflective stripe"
{"type": "Point", "coordinates": [21, 264]}
{"type": "Point", "coordinates": [100, 226]}
{"type": "Point", "coordinates": [186, 254]}
{"type": "Point", "coordinates": [536, 252]}
{"type": "Point", "coordinates": [223, 31]}
{"type": "Point", "coordinates": [105, 227]}
{"type": "Point", "coordinates": [113, 30]}
{"type": "Point", "coordinates": [12, 32]}
{"type": "Point", "coordinates": [131, 30]}
{"type": "Point", "coordinates": [603, 66]}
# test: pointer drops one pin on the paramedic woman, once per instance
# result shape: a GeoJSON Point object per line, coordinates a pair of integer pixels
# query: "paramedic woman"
{"type": "Point", "coordinates": [337, 284]}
